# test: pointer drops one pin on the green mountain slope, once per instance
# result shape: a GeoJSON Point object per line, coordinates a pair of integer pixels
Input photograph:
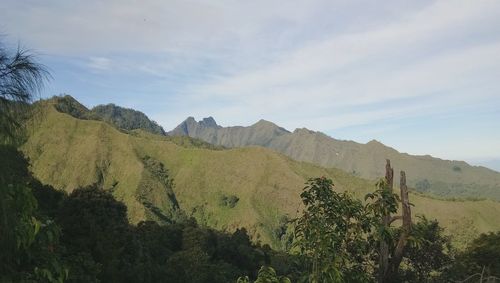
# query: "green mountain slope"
{"type": "Point", "coordinates": [426, 174]}
{"type": "Point", "coordinates": [122, 118]}
{"type": "Point", "coordinates": [127, 119]}
{"type": "Point", "coordinates": [251, 187]}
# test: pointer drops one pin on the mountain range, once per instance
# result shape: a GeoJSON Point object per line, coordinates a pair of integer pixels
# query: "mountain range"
{"type": "Point", "coordinates": [161, 177]}
{"type": "Point", "coordinates": [443, 178]}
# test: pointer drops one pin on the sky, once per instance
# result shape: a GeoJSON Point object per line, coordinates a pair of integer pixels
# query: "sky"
{"type": "Point", "coordinates": [420, 76]}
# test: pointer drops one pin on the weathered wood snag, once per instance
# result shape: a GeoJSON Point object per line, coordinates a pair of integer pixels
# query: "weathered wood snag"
{"type": "Point", "coordinates": [386, 222]}
{"type": "Point", "coordinates": [406, 228]}
{"type": "Point", "coordinates": [389, 264]}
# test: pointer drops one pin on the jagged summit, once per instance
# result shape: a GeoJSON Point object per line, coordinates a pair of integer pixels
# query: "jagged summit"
{"type": "Point", "coordinates": [209, 122]}
{"type": "Point", "coordinates": [190, 126]}
{"type": "Point", "coordinates": [260, 133]}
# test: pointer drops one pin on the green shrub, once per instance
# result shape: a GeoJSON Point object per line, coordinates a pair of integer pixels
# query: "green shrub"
{"type": "Point", "coordinates": [229, 201]}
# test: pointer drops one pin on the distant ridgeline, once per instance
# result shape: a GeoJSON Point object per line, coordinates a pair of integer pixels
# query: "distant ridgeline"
{"type": "Point", "coordinates": [429, 175]}
{"type": "Point", "coordinates": [164, 178]}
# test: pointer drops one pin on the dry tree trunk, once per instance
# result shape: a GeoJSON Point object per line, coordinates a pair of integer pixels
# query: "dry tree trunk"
{"type": "Point", "coordinates": [386, 222]}
{"type": "Point", "coordinates": [406, 228]}
{"type": "Point", "coordinates": [388, 266]}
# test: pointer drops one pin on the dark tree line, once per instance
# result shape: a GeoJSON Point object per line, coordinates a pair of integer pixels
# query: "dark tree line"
{"type": "Point", "coordinates": [100, 245]}
{"type": "Point", "coordinates": [85, 236]}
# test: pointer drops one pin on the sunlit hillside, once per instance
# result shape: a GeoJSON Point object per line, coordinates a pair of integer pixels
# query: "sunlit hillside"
{"type": "Point", "coordinates": [67, 152]}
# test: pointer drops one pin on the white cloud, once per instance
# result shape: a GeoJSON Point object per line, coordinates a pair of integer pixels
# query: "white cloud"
{"type": "Point", "coordinates": [325, 68]}
{"type": "Point", "coordinates": [406, 59]}
{"type": "Point", "coordinates": [146, 26]}
{"type": "Point", "coordinates": [99, 63]}
{"type": "Point", "coordinates": [325, 65]}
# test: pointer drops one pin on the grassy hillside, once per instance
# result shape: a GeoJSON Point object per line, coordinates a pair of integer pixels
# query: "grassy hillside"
{"type": "Point", "coordinates": [249, 187]}
{"type": "Point", "coordinates": [429, 175]}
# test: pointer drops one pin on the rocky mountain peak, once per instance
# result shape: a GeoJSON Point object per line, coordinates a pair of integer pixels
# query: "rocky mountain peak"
{"type": "Point", "coordinates": [209, 122]}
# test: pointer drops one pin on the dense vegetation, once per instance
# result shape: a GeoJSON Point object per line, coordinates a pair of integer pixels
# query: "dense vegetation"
{"type": "Point", "coordinates": [86, 237]}
{"type": "Point", "coordinates": [100, 244]}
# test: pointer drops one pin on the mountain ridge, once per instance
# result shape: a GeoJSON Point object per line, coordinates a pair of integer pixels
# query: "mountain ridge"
{"type": "Point", "coordinates": [123, 118]}
{"type": "Point", "coordinates": [440, 177]}
{"type": "Point", "coordinates": [67, 153]}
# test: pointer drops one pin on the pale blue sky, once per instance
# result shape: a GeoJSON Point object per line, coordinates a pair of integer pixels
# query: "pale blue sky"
{"type": "Point", "coordinates": [420, 76]}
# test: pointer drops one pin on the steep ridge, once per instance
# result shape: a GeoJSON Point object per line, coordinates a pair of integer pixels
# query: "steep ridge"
{"type": "Point", "coordinates": [261, 133]}
{"type": "Point", "coordinates": [120, 117]}
{"type": "Point", "coordinates": [444, 178]}
{"type": "Point", "coordinates": [125, 118]}
{"type": "Point", "coordinates": [262, 186]}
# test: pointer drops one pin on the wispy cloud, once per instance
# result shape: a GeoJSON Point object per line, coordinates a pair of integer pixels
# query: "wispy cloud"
{"type": "Point", "coordinates": [410, 57]}
{"type": "Point", "coordinates": [99, 63]}
{"type": "Point", "coordinates": [334, 66]}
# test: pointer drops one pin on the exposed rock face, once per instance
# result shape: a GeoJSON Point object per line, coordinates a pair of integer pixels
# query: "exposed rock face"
{"type": "Point", "coordinates": [260, 133]}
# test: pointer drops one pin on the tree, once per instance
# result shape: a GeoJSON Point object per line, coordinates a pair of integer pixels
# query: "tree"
{"type": "Point", "coordinates": [28, 236]}
{"type": "Point", "coordinates": [331, 234]}
{"type": "Point", "coordinates": [28, 239]}
{"type": "Point", "coordinates": [266, 274]}
{"type": "Point", "coordinates": [430, 254]}
{"type": "Point", "coordinates": [21, 77]}
{"type": "Point", "coordinates": [96, 229]}
{"type": "Point", "coordinates": [340, 238]}
{"type": "Point", "coordinates": [481, 257]}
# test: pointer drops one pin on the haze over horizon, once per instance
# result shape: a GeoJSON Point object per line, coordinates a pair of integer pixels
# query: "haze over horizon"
{"type": "Point", "coordinates": [419, 76]}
